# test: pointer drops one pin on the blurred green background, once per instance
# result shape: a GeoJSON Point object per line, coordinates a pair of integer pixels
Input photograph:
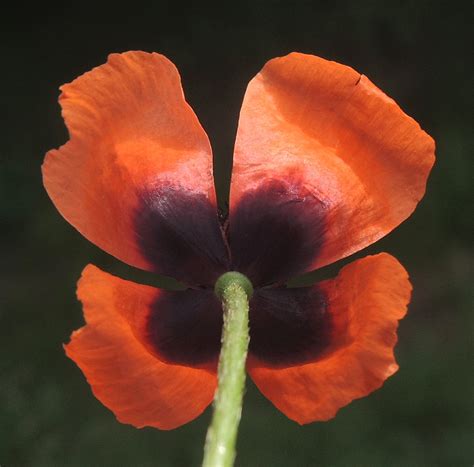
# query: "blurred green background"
{"type": "Point", "coordinates": [417, 52]}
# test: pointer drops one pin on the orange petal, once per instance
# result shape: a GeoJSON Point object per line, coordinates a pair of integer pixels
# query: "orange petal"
{"type": "Point", "coordinates": [365, 302]}
{"type": "Point", "coordinates": [139, 388]}
{"type": "Point", "coordinates": [132, 135]}
{"type": "Point", "coordinates": [322, 125]}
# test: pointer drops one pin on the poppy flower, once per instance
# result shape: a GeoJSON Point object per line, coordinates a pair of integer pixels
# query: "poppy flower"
{"type": "Point", "coordinates": [324, 165]}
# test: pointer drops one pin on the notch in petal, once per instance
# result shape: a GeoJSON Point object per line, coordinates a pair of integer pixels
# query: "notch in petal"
{"type": "Point", "coordinates": [324, 126]}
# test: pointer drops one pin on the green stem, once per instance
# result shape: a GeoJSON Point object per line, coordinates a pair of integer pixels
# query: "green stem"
{"type": "Point", "coordinates": [219, 450]}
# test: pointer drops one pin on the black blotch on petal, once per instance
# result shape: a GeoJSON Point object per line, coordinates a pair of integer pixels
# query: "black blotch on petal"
{"type": "Point", "coordinates": [185, 327]}
{"type": "Point", "coordinates": [178, 232]}
{"type": "Point", "coordinates": [289, 326]}
{"type": "Point", "coordinates": [276, 231]}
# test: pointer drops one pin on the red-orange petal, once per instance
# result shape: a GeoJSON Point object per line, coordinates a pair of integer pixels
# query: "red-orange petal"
{"type": "Point", "coordinates": [365, 302]}
{"type": "Point", "coordinates": [132, 135]}
{"type": "Point", "coordinates": [139, 388]}
{"type": "Point", "coordinates": [323, 126]}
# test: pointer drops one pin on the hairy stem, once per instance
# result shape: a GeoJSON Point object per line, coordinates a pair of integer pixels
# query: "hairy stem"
{"type": "Point", "coordinates": [219, 450]}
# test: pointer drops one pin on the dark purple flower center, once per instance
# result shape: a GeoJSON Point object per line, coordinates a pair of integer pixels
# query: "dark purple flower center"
{"type": "Point", "coordinates": [287, 326]}
{"type": "Point", "coordinates": [274, 232]}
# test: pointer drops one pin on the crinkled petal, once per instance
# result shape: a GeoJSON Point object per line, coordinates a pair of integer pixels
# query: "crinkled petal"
{"type": "Point", "coordinates": [137, 155]}
{"type": "Point", "coordinates": [124, 375]}
{"type": "Point", "coordinates": [363, 305]}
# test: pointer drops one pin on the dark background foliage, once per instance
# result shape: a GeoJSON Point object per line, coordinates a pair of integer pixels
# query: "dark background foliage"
{"type": "Point", "coordinates": [418, 52]}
